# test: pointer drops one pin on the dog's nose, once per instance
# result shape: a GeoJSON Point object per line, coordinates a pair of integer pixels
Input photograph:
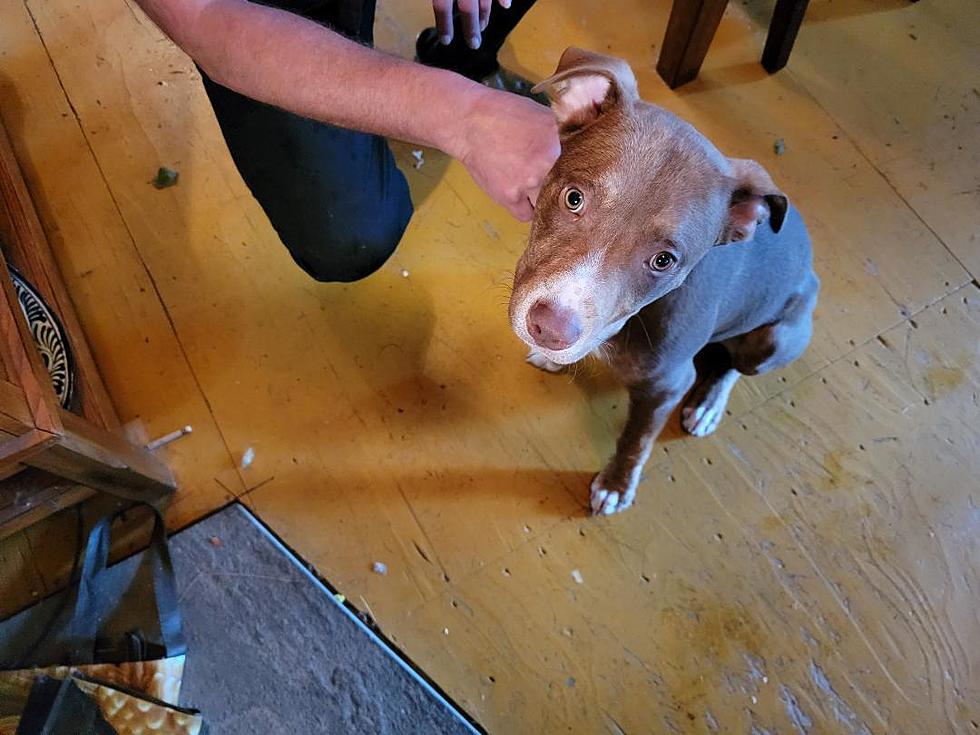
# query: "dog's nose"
{"type": "Point", "coordinates": [552, 326]}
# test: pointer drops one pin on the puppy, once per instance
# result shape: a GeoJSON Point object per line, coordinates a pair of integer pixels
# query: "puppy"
{"type": "Point", "coordinates": [649, 243]}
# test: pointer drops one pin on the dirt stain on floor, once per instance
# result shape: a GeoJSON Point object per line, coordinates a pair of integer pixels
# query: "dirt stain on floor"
{"type": "Point", "coordinates": [723, 644]}
{"type": "Point", "coordinates": [944, 379]}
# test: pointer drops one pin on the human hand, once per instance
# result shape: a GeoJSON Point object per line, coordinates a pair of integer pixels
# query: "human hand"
{"type": "Point", "coordinates": [474, 14]}
{"type": "Point", "coordinates": [508, 144]}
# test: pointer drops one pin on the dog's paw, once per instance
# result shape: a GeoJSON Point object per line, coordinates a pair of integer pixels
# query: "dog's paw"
{"type": "Point", "coordinates": [608, 499]}
{"type": "Point", "coordinates": [543, 363]}
{"type": "Point", "coordinates": [705, 408]}
{"type": "Point", "coordinates": [703, 419]}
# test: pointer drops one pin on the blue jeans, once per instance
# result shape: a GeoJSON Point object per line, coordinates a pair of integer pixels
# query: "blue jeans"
{"type": "Point", "coordinates": [334, 196]}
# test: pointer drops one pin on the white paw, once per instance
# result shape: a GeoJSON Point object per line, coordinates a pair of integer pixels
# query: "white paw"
{"type": "Point", "coordinates": [605, 501]}
{"type": "Point", "coordinates": [701, 420]}
{"type": "Point", "coordinates": [543, 363]}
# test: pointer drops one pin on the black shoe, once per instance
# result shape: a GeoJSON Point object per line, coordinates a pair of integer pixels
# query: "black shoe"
{"type": "Point", "coordinates": [508, 81]}
{"type": "Point", "coordinates": [480, 67]}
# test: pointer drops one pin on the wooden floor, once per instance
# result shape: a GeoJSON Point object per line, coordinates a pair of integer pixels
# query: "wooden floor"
{"type": "Point", "coordinates": [812, 567]}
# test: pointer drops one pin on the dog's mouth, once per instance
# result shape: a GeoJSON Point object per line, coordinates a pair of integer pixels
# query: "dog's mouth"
{"type": "Point", "coordinates": [567, 356]}
{"type": "Point", "coordinates": [586, 347]}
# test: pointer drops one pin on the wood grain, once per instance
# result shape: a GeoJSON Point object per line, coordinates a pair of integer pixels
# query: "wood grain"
{"type": "Point", "coordinates": [33, 495]}
{"type": "Point", "coordinates": [910, 103]}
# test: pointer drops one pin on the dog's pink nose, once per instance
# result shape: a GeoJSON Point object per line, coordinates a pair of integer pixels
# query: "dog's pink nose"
{"type": "Point", "coordinates": [552, 326]}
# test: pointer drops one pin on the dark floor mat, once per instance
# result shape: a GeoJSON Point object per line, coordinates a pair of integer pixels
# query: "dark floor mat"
{"type": "Point", "coordinates": [271, 651]}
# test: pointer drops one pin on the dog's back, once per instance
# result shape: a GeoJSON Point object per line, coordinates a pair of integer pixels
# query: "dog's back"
{"type": "Point", "coordinates": [739, 287]}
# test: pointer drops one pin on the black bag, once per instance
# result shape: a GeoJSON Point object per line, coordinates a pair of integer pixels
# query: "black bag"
{"type": "Point", "coordinates": [59, 707]}
{"type": "Point", "coordinates": [79, 705]}
{"type": "Point", "coordinates": [119, 624]}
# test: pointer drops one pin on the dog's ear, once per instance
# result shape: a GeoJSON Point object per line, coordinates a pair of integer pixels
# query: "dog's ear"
{"type": "Point", "coordinates": [586, 85]}
{"type": "Point", "coordinates": [754, 200]}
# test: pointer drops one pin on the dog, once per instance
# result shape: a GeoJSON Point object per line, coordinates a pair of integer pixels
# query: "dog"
{"type": "Point", "coordinates": [646, 247]}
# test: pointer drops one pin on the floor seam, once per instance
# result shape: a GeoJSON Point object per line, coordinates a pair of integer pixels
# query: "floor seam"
{"type": "Point", "coordinates": [851, 139]}
{"type": "Point", "coordinates": [909, 317]}
{"type": "Point", "coordinates": [906, 320]}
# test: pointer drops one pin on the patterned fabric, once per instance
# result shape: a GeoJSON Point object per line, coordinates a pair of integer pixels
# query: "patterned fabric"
{"type": "Point", "coordinates": [157, 679]}
{"type": "Point", "coordinates": [133, 715]}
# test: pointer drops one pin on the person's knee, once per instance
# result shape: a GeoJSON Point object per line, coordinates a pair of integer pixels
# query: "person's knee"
{"type": "Point", "coordinates": [350, 249]}
{"type": "Point", "coordinates": [351, 256]}
{"type": "Point", "coordinates": [335, 197]}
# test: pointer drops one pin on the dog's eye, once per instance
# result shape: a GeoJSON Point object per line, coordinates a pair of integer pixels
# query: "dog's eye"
{"type": "Point", "coordinates": [662, 261]}
{"type": "Point", "coordinates": [574, 200]}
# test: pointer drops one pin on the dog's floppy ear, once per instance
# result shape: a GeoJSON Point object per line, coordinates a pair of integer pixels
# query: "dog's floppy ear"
{"type": "Point", "coordinates": [586, 85]}
{"type": "Point", "coordinates": [755, 199]}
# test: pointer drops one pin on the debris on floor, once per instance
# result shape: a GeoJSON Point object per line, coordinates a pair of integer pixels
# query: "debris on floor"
{"type": "Point", "coordinates": [779, 147]}
{"type": "Point", "coordinates": [379, 567]}
{"type": "Point", "coordinates": [248, 456]}
{"type": "Point", "coordinates": [419, 159]}
{"type": "Point", "coordinates": [165, 177]}
{"type": "Point", "coordinates": [168, 438]}
{"type": "Point", "coordinates": [577, 576]}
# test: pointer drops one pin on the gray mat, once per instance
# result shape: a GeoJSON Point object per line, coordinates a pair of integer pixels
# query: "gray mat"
{"type": "Point", "coordinates": [271, 651]}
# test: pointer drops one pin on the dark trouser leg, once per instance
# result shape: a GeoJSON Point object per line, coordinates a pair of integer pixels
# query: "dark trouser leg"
{"type": "Point", "coordinates": [458, 56]}
{"type": "Point", "coordinates": [334, 196]}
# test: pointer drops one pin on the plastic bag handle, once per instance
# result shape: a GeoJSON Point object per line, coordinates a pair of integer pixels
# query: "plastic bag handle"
{"type": "Point", "coordinates": [90, 598]}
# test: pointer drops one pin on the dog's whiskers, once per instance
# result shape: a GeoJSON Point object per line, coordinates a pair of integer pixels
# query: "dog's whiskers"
{"type": "Point", "coordinates": [647, 333]}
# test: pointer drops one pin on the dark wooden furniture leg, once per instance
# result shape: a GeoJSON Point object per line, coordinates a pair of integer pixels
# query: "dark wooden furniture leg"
{"type": "Point", "coordinates": [690, 29]}
{"type": "Point", "coordinates": [786, 20]}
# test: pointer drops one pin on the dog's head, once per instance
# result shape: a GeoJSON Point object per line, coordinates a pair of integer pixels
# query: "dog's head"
{"type": "Point", "coordinates": [636, 199]}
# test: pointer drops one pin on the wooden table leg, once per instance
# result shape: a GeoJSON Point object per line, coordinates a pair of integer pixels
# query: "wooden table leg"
{"type": "Point", "coordinates": [786, 20]}
{"type": "Point", "coordinates": [690, 29]}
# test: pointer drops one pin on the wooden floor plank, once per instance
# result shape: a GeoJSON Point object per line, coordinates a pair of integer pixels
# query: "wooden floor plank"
{"type": "Point", "coordinates": [911, 101]}
{"type": "Point", "coordinates": [809, 551]}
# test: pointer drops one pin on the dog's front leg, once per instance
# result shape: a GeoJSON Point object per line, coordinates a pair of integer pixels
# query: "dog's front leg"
{"type": "Point", "coordinates": [651, 404]}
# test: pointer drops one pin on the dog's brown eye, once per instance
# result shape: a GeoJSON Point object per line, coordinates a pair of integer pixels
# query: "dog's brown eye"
{"type": "Point", "coordinates": [662, 260]}
{"type": "Point", "coordinates": [574, 200]}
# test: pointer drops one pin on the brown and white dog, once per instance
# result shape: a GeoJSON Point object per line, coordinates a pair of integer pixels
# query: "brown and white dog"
{"type": "Point", "coordinates": [649, 242]}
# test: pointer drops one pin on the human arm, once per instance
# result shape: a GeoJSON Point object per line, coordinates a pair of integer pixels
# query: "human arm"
{"type": "Point", "coordinates": [507, 143]}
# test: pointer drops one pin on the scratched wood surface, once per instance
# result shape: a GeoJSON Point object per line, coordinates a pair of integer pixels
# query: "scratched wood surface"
{"type": "Point", "coordinates": [136, 347]}
{"type": "Point", "coordinates": [811, 567]}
